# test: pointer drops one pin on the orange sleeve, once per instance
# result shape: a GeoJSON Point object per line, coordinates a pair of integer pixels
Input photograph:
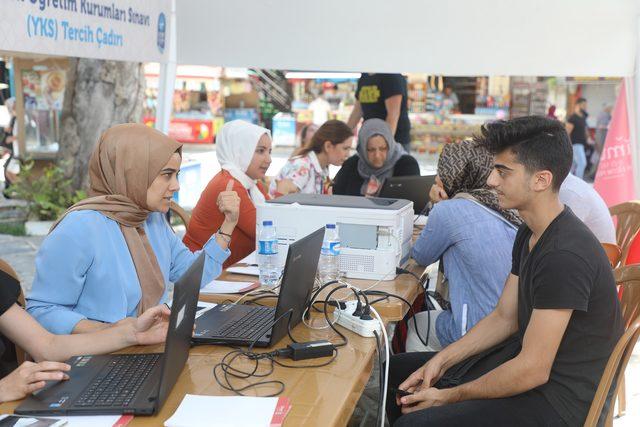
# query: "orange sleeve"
{"type": "Point", "coordinates": [205, 218]}
{"type": "Point", "coordinates": [247, 219]}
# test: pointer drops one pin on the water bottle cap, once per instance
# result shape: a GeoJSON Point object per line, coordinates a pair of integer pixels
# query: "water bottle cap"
{"type": "Point", "coordinates": [331, 226]}
{"type": "Point", "coordinates": [266, 223]}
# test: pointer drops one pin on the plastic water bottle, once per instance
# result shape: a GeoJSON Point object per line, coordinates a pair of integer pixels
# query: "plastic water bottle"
{"type": "Point", "coordinates": [268, 263]}
{"type": "Point", "coordinates": [329, 263]}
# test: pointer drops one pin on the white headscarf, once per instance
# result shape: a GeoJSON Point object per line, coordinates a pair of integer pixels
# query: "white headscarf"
{"type": "Point", "coordinates": [235, 144]}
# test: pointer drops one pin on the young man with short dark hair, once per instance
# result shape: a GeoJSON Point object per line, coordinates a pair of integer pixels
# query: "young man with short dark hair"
{"type": "Point", "coordinates": [559, 303]}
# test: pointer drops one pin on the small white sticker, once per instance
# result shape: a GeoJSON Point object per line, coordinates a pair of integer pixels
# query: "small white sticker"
{"type": "Point", "coordinates": [180, 316]}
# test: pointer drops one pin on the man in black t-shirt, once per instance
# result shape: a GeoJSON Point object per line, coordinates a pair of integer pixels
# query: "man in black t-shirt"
{"type": "Point", "coordinates": [559, 302]}
{"type": "Point", "coordinates": [383, 96]}
{"type": "Point", "coordinates": [579, 134]}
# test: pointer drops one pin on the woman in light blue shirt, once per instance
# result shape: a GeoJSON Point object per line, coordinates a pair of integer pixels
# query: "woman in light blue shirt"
{"type": "Point", "coordinates": [111, 256]}
{"type": "Point", "coordinates": [472, 236]}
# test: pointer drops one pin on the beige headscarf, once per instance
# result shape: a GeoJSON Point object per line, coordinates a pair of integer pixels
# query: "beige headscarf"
{"type": "Point", "coordinates": [122, 167]}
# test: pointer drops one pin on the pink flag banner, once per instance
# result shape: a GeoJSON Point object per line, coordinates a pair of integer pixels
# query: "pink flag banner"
{"type": "Point", "coordinates": [614, 178]}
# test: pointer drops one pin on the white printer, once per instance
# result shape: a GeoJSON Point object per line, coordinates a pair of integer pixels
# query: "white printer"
{"type": "Point", "coordinates": [375, 233]}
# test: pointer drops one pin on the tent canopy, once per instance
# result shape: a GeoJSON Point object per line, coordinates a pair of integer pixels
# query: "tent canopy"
{"type": "Point", "coordinates": [457, 37]}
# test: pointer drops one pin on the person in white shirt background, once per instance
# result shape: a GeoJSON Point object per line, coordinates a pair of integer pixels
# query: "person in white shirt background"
{"type": "Point", "coordinates": [586, 204]}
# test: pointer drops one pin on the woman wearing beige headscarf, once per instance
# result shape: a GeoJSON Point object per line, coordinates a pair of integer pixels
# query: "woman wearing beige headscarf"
{"type": "Point", "coordinates": [112, 255]}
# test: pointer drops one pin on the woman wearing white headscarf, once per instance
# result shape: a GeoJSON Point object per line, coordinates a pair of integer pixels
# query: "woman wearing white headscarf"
{"type": "Point", "coordinates": [244, 154]}
{"type": "Point", "coordinates": [378, 157]}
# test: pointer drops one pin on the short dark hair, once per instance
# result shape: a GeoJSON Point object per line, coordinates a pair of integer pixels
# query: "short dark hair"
{"type": "Point", "coordinates": [581, 100]}
{"type": "Point", "coordinates": [539, 143]}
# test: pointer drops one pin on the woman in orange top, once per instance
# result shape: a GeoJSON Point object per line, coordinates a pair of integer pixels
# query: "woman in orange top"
{"type": "Point", "coordinates": [244, 153]}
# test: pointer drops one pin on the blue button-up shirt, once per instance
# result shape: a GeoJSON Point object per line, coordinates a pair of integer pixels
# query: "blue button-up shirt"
{"type": "Point", "coordinates": [84, 270]}
{"type": "Point", "coordinates": [475, 244]}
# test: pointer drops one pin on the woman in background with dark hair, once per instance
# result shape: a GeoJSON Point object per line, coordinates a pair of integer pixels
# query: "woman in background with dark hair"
{"type": "Point", "coordinates": [308, 170]}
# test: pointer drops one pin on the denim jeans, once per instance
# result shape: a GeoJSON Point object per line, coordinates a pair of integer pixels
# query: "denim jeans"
{"type": "Point", "coordinates": [579, 160]}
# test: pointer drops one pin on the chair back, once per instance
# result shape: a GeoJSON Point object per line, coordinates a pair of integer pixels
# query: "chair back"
{"type": "Point", "coordinates": [182, 214]}
{"type": "Point", "coordinates": [615, 366]}
{"type": "Point", "coordinates": [627, 218]}
{"type": "Point", "coordinates": [613, 253]}
{"type": "Point", "coordinates": [628, 278]}
{"type": "Point", "coordinates": [4, 266]}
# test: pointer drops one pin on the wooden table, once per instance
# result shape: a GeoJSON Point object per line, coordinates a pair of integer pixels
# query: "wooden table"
{"type": "Point", "coordinates": [323, 396]}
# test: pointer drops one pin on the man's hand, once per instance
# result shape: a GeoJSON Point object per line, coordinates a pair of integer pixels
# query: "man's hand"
{"type": "Point", "coordinates": [229, 204]}
{"type": "Point", "coordinates": [30, 377]}
{"type": "Point", "coordinates": [426, 398]}
{"type": "Point", "coordinates": [151, 327]}
{"type": "Point", "coordinates": [424, 377]}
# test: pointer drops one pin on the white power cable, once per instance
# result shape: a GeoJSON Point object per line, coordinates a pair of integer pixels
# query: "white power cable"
{"type": "Point", "coordinates": [386, 347]}
{"type": "Point", "coordinates": [386, 364]}
{"type": "Point", "coordinates": [328, 325]}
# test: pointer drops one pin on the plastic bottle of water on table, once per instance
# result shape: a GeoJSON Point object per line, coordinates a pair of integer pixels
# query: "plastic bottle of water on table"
{"type": "Point", "coordinates": [329, 263]}
{"type": "Point", "coordinates": [268, 262]}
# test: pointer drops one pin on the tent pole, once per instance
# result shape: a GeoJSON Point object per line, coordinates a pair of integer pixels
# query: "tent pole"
{"type": "Point", "coordinates": [167, 80]}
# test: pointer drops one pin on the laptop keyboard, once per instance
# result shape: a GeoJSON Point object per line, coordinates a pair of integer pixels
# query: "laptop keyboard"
{"type": "Point", "coordinates": [251, 326]}
{"type": "Point", "coordinates": [118, 383]}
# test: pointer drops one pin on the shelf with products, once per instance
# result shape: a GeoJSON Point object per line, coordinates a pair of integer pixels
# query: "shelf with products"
{"type": "Point", "coordinates": [521, 96]}
{"type": "Point", "coordinates": [417, 96]}
{"type": "Point", "coordinates": [429, 132]}
{"type": "Point", "coordinates": [492, 96]}
{"type": "Point", "coordinates": [538, 101]}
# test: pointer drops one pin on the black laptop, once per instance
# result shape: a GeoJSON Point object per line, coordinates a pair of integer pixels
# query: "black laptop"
{"type": "Point", "coordinates": [126, 383]}
{"type": "Point", "coordinates": [232, 324]}
{"type": "Point", "coordinates": [415, 188]}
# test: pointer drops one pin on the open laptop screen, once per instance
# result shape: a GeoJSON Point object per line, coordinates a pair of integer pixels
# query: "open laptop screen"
{"type": "Point", "coordinates": [414, 188]}
{"type": "Point", "coordinates": [183, 312]}
{"type": "Point", "coordinates": [297, 281]}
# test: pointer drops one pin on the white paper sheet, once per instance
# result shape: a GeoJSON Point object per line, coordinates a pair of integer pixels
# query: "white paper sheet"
{"type": "Point", "coordinates": [223, 411]}
{"type": "Point", "coordinates": [225, 287]}
{"type": "Point", "coordinates": [91, 421]}
{"type": "Point", "coordinates": [248, 265]}
{"type": "Point", "coordinates": [26, 421]}
{"type": "Point", "coordinates": [419, 220]}
{"type": "Point", "coordinates": [87, 421]}
{"type": "Point", "coordinates": [249, 271]}
{"type": "Point", "coordinates": [249, 259]}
